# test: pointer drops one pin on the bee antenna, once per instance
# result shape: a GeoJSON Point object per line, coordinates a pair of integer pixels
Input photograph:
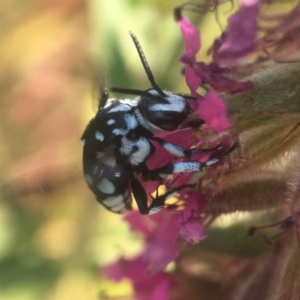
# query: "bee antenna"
{"type": "Point", "coordinates": [145, 64]}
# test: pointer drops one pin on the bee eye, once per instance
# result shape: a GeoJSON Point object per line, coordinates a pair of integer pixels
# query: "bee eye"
{"type": "Point", "coordinates": [166, 120]}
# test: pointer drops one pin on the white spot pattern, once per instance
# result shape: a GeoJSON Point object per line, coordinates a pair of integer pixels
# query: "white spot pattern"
{"type": "Point", "coordinates": [126, 147]}
{"type": "Point", "coordinates": [183, 167]}
{"type": "Point", "coordinates": [176, 103]}
{"type": "Point", "coordinates": [110, 122]}
{"type": "Point", "coordinates": [113, 200]}
{"type": "Point", "coordinates": [142, 153]}
{"type": "Point", "coordinates": [173, 149]}
{"type": "Point", "coordinates": [139, 155]}
{"type": "Point", "coordinates": [118, 208]}
{"type": "Point", "coordinates": [106, 186]}
{"type": "Point", "coordinates": [88, 179]}
{"type": "Point", "coordinates": [115, 105]}
{"type": "Point", "coordinates": [99, 136]}
{"type": "Point", "coordinates": [120, 131]}
{"type": "Point", "coordinates": [131, 121]}
{"type": "Point", "coordinates": [155, 210]}
{"type": "Point", "coordinates": [120, 107]}
{"type": "Point", "coordinates": [211, 161]}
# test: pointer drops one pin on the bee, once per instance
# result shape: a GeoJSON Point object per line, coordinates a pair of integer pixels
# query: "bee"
{"type": "Point", "coordinates": [118, 141]}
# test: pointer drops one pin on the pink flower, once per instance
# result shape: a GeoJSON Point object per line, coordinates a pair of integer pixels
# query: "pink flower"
{"type": "Point", "coordinates": [163, 230]}
{"type": "Point", "coordinates": [213, 111]}
{"type": "Point", "coordinates": [146, 287]}
{"type": "Point", "coordinates": [192, 229]}
{"type": "Point", "coordinates": [238, 40]}
{"type": "Point", "coordinates": [162, 248]}
{"type": "Point", "coordinates": [147, 225]}
{"type": "Point", "coordinates": [191, 38]}
{"type": "Point", "coordinates": [192, 80]}
{"type": "Point", "coordinates": [200, 72]}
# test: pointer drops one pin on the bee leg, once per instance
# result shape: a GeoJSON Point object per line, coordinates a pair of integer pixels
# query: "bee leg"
{"type": "Point", "coordinates": [140, 196]}
{"type": "Point", "coordinates": [158, 202]}
{"type": "Point", "coordinates": [179, 167]}
{"type": "Point", "coordinates": [186, 166]}
{"type": "Point", "coordinates": [181, 152]}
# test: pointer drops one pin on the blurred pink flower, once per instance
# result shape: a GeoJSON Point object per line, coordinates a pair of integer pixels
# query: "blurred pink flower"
{"type": "Point", "coordinates": [162, 231]}
{"type": "Point", "coordinates": [162, 248]}
{"type": "Point", "coordinates": [238, 40]}
{"type": "Point", "coordinates": [213, 111]}
{"type": "Point", "coordinates": [191, 38]}
{"type": "Point", "coordinates": [192, 80]}
{"type": "Point", "coordinates": [146, 225]}
{"type": "Point", "coordinates": [192, 229]}
{"type": "Point", "coordinates": [200, 72]}
{"type": "Point", "coordinates": [146, 287]}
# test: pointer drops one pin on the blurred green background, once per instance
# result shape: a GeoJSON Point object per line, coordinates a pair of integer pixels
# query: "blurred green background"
{"type": "Point", "coordinates": [53, 235]}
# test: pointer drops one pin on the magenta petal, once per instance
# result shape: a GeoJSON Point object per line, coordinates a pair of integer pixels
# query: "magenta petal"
{"type": "Point", "coordinates": [146, 287]}
{"type": "Point", "coordinates": [213, 111]}
{"type": "Point", "coordinates": [162, 290]}
{"type": "Point", "coordinates": [153, 287]}
{"type": "Point", "coordinates": [213, 76]}
{"type": "Point", "coordinates": [160, 254]}
{"type": "Point", "coordinates": [113, 271]}
{"type": "Point", "coordinates": [192, 230]}
{"type": "Point", "coordinates": [141, 223]}
{"type": "Point", "coordinates": [192, 80]}
{"type": "Point", "coordinates": [249, 2]}
{"type": "Point", "coordinates": [148, 225]}
{"type": "Point", "coordinates": [191, 37]}
{"type": "Point", "coordinates": [236, 42]}
{"type": "Point", "coordinates": [134, 269]}
{"type": "Point", "coordinates": [239, 38]}
{"type": "Point", "coordinates": [163, 248]}
{"type": "Point", "coordinates": [180, 137]}
{"type": "Point", "coordinates": [160, 158]}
